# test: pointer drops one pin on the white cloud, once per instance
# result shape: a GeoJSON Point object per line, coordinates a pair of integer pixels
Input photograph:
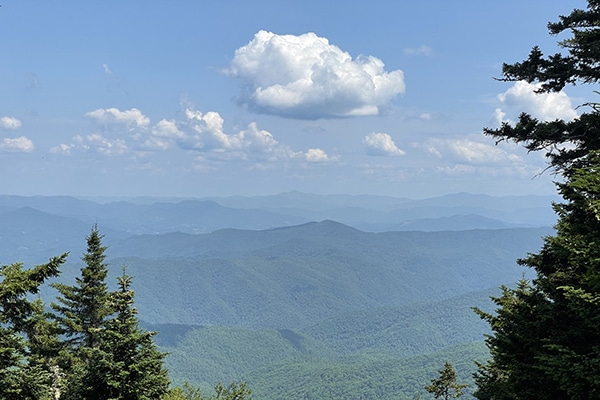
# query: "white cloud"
{"type": "Point", "coordinates": [306, 77]}
{"type": "Point", "coordinates": [381, 144]}
{"type": "Point", "coordinates": [167, 129]}
{"type": "Point", "coordinates": [162, 135]}
{"type": "Point", "coordinates": [419, 51]}
{"type": "Point", "coordinates": [93, 143]}
{"type": "Point", "coordinates": [115, 116]}
{"type": "Point", "coordinates": [201, 135]}
{"type": "Point", "coordinates": [498, 117]}
{"type": "Point", "coordinates": [316, 155]}
{"type": "Point", "coordinates": [470, 151]}
{"type": "Point", "coordinates": [205, 132]}
{"type": "Point", "coordinates": [477, 152]}
{"type": "Point", "coordinates": [62, 148]}
{"type": "Point", "coordinates": [106, 69]}
{"type": "Point", "coordinates": [521, 97]}
{"type": "Point", "coordinates": [19, 144]}
{"type": "Point", "coordinates": [106, 146]}
{"type": "Point", "coordinates": [10, 123]}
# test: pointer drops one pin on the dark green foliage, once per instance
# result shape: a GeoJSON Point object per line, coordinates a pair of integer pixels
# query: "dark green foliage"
{"type": "Point", "coordinates": [83, 307]}
{"type": "Point", "coordinates": [446, 386]}
{"type": "Point", "coordinates": [82, 310]}
{"type": "Point", "coordinates": [369, 376]}
{"type": "Point", "coordinates": [106, 354]}
{"type": "Point", "coordinates": [373, 354]}
{"type": "Point", "coordinates": [134, 368]}
{"type": "Point", "coordinates": [233, 391]}
{"type": "Point", "coordinates": [184, 392]}
{"type": "Point", "coordinates": [409, 330]}
{"type": "Point", "coordinates": [221, 353]}
{"type": "Point", "coordinates": [581, 64]}
{"type": "Point", "coordinates": [545, 342]}
{"type": "Point", "coordinates": [23, 335]}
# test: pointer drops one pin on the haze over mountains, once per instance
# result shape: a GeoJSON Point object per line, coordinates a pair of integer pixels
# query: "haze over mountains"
{"type": "Point", "coordinates": [265, 288]}
{"type": "Point", "coordinates": [371, 213]}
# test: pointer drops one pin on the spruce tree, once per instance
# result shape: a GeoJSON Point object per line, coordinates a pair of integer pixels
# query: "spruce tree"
{"type": "Point", "coordinates": [578, 64]}
{"type": "Point", "coordinates": [83, 307]}
{"type": "Point", "coordinates": [545, 342]}
{"type": "Point", "coordinates": [446, 387]}
{"type": "Point", "coordinates": [25, 374]}
{"type": "Point", "coordinates": [106, 354]}
{"type": "Point", "coordinates": [81, 313]}
{"type": "Point", "coordinates": [133, 366]}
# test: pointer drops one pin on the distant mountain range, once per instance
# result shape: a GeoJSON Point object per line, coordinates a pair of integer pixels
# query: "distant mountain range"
{"type": "Point", "coordinates": [369, 213]}
{"type": "Point", "coordinates": [265, 288]}
{"type": "Point", "coordinates": [286, 276]}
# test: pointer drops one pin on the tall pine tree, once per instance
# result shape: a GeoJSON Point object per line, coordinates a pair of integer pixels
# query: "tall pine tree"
{"type": "Point", "coordinates": [106, 354]}
{"type": "Point", "coordinates": [81, 312]}
{"type": "Point", "coordinates": [83, 307]}
{"type": "Point", "coordinates": [545, 342]}
{"type": "Point", "coordinates": [446, 386]}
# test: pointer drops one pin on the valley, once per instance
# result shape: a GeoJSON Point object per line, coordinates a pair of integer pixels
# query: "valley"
{"type": "Point", "coordinates": [302, 296]}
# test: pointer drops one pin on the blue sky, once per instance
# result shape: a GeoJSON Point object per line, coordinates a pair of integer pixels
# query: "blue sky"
{"type": "Point", "coordinates": [203, 98]}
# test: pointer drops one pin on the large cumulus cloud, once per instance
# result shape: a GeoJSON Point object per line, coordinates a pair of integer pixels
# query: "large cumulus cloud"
{"type": "Point", "coordinates": [306, 77]}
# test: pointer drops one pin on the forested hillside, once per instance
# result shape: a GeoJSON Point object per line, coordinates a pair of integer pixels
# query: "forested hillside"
{"type": "Point", "coordinates": [291, 277]}
{"type": "Point", "coordinates": [341, 309]}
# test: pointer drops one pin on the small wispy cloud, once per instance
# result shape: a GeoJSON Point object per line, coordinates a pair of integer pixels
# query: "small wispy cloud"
{"type": "Point", "coordinates": [132, 116]}
{"type": "Point", "coordinates": [316, 155]}
{"type": "Point", "coordinates": [106, 69]}
{"type": "Point", "coordinates": [381, 144]}
{"type": "Point", "coordinates": [464, 150]}
{"type": "Point", "coordinates": [19, 144]}
{"type": "Point", "coordinates": [64, 149]}
{"type": "Point", "coordinates": [422, 50]}
{"type": "Point", "coordinates": [10, 123]}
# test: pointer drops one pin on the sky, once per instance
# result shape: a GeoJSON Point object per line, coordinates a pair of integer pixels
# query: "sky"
{"type": "Point", "coordinates": [216, 98]}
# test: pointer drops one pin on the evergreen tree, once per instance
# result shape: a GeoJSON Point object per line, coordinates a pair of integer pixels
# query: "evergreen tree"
{"type": "Point", "coordinates": [545, 342]}
{"type": "Point", "coordinates": [446, 386]}
{"type": "Point", "coordinates": [83, 308]}
{"type": "Point", "coordinates": [580, 65]}
{"type": "Point", "coordinates": [233, 391]}
{"type": "Point", "coordinates": [106, 354]}
{"type": "Point", "coordinates": [134, 366]}
{"type": "Point", "coordinates": [513, 371]}
{"type": "Point", "coordinates": [82, 311]}
{"type": "Point", "coordinates": [22, 374]}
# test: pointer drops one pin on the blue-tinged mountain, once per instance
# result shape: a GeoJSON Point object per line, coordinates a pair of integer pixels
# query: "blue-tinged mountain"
{"type": "Point", "coordinates": [32, 236]}
{"type": "Point", "coordinates": [383, 213]}
{"type": "Point", "coordinates": [451, 223]}
{"type": "Point", "coordinates": [288, 277]}
{"type": "Point", "coordinates": [371, 213]}
{"type": "Point", "coordinates": [192, 216]}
